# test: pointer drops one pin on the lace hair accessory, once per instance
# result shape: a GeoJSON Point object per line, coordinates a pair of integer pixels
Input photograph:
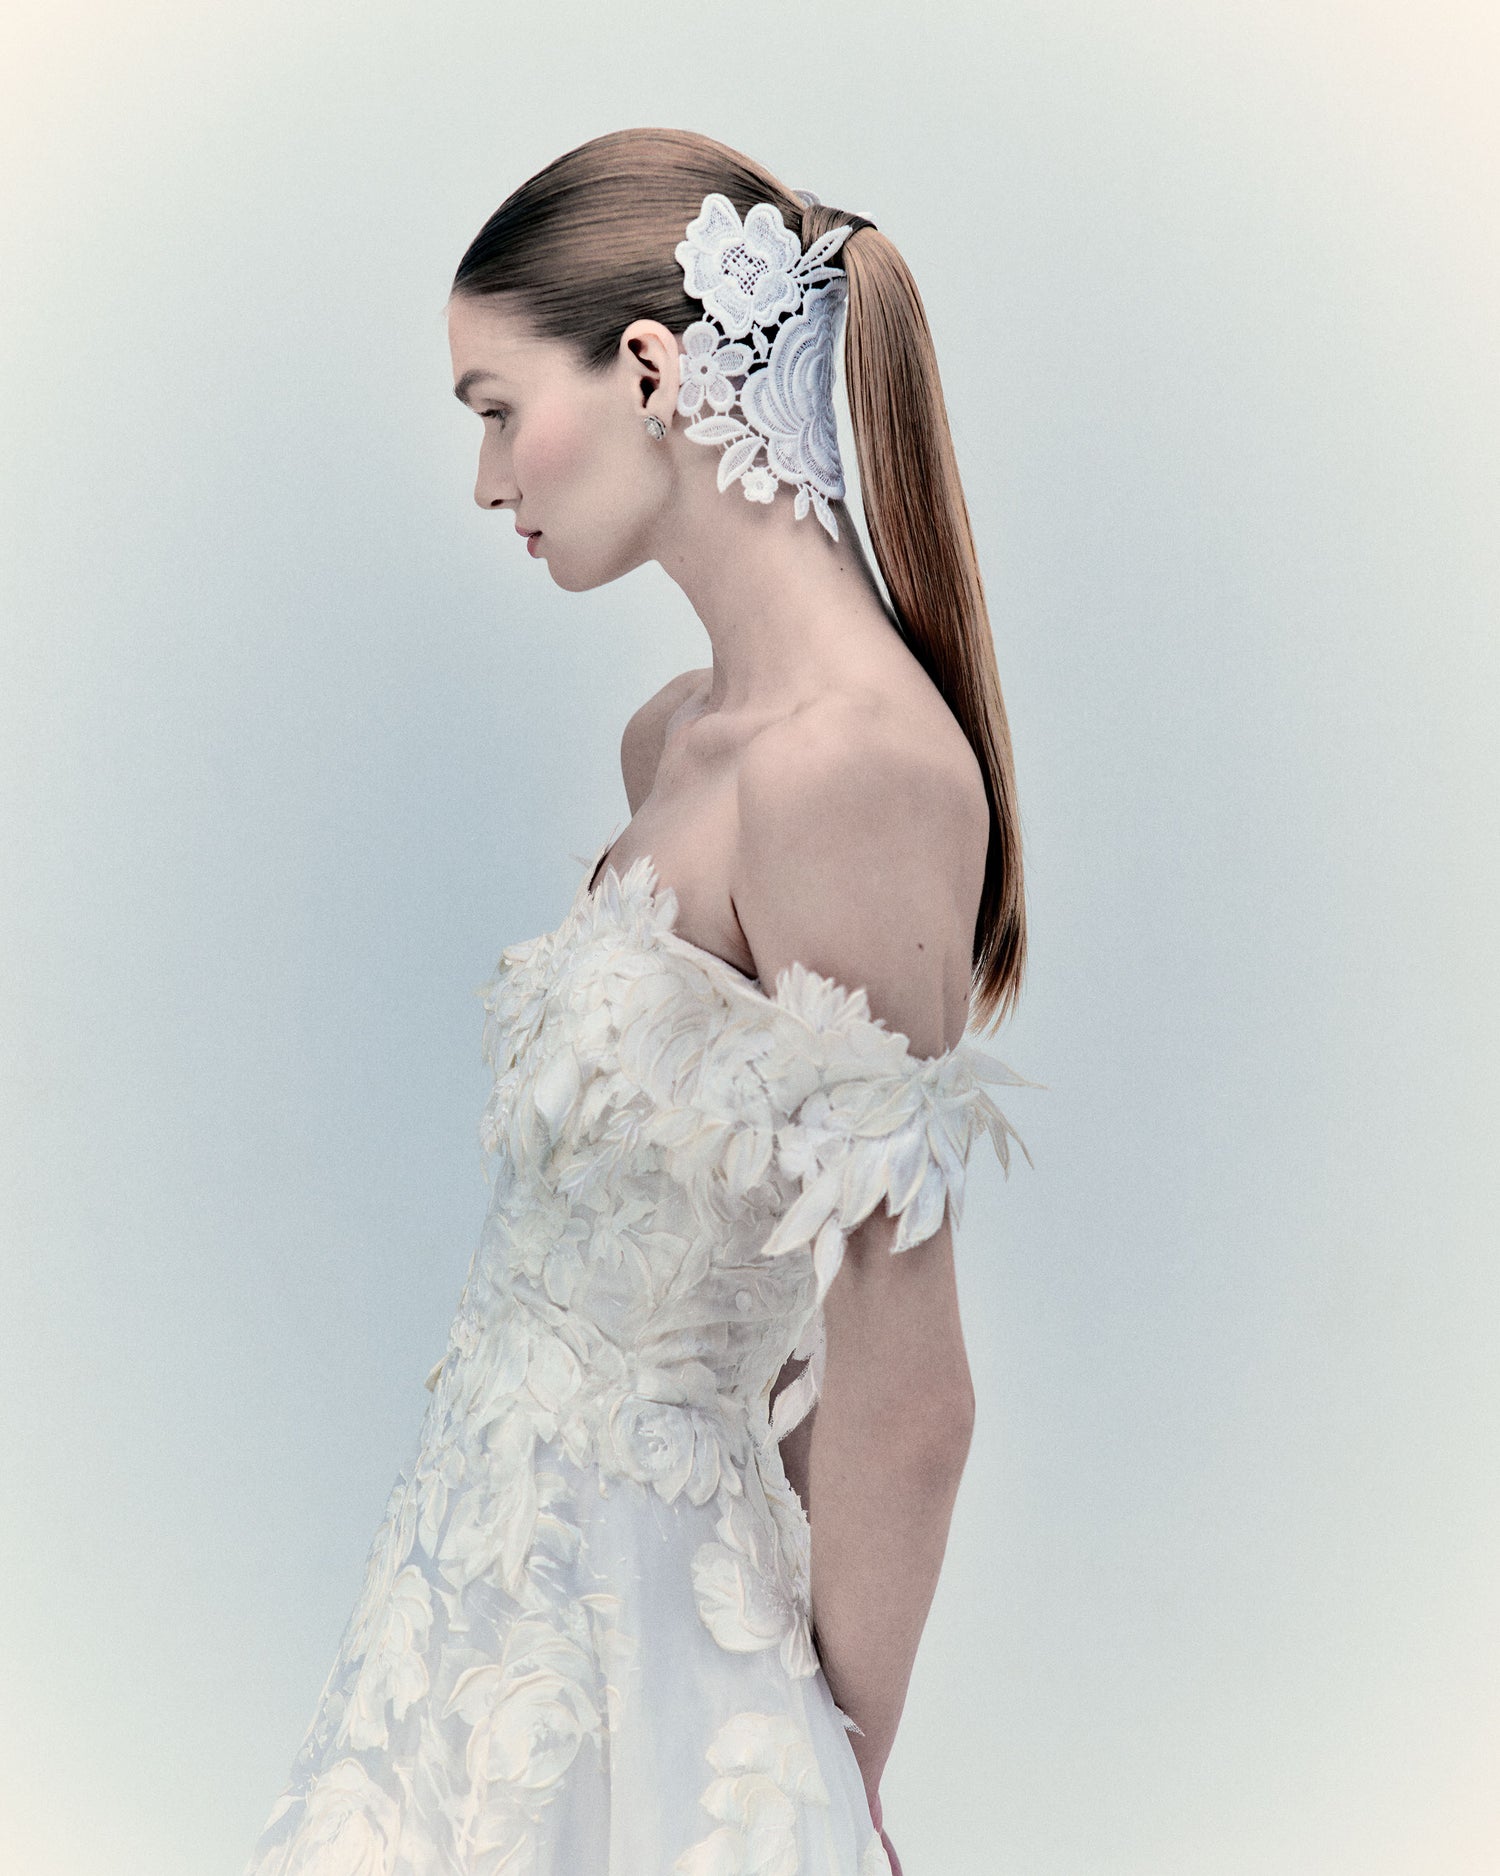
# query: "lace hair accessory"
{"type": "Point", "coordinates": [753, 278]}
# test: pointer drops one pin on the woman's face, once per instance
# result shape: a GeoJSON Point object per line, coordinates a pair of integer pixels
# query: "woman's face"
{"type": "Point", "coordinates": [567, 451]}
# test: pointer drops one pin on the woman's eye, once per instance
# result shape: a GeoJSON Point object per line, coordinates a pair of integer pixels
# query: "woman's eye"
{"type": "Point", "coordinates": [494, 413]}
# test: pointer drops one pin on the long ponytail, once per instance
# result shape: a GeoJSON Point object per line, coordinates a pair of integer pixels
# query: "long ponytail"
{"type": "Point", "coordinates": [918, 523]}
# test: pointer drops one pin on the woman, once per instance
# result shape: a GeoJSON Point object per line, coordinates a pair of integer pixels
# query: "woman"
{"type": "Point", "coordinates": [594, 1634]}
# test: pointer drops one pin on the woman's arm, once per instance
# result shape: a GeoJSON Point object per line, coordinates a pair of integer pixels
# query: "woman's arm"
{"type": "Point", "coordinates": [860, 857]}
{"type": "Point", "coordinates": [883, 1520]}
{"type": "Point", "coordinates": [886, 1454]}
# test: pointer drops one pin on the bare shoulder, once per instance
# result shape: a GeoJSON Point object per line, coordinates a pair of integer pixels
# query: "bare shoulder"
{"type": "Point", "coordinates": [863, 831]}
{"type": "Point", "coordinates": [646, 732]}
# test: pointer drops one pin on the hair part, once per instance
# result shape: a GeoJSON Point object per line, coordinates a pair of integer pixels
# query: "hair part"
{"type": "Point", "coordinates": [587, 245]}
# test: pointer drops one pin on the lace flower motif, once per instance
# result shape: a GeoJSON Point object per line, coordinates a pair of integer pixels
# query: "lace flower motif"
{"type": "Point", "coordinates": [753, 277]}
{"type": "Point", "coordinates": [746, 273]}
{"type": "Point", "coordinates": [707, 367]}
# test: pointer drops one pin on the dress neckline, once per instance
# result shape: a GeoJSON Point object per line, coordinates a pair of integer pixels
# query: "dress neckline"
{"type": "Point", "coordinates": [638, 885]}
{"type": "Point", "coordinates": [642, 871]}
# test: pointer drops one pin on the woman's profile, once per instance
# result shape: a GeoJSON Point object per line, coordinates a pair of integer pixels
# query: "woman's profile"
{"type": "Point", "coordinates": [646, 1599]}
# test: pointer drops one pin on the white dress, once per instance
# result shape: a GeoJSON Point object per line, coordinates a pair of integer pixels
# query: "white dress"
{"type": "Point", "coordinates": [582, 1646]}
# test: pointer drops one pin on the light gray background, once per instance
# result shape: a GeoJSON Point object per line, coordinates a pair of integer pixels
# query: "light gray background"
{"type": "Point", "coordinates": [294, 739]}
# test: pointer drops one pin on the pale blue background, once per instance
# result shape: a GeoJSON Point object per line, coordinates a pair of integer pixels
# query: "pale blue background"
{"type": "Point", "coordinates": [293, 739]}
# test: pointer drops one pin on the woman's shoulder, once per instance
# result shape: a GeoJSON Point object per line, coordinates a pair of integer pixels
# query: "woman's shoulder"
{"type": "Point", "coordinates": [861, 853]}
{"type": "Point", "coordinates": [873, 759]}
{"type": "Point", "coordinates": [646, 732]}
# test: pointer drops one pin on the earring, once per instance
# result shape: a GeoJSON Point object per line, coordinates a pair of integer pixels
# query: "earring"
{"type": "Point", "coordinates": [654, 425]}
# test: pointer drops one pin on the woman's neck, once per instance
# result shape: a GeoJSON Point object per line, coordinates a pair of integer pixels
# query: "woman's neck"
{"type": "Point", "coordinates": [787, 610]}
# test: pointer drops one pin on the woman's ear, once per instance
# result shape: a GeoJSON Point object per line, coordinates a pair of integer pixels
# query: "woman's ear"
{"type": "Point", "coordinates": [649, 354]}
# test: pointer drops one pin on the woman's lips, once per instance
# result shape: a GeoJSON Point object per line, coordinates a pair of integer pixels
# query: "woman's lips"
{"type": "Point", "coordinates": [531, 541]}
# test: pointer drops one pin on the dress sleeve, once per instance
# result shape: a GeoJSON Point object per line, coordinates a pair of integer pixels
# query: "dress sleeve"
{"type": "Point", "coordinates": [866, 1120]}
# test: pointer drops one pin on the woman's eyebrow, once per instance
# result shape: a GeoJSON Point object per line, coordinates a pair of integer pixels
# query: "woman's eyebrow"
{"type": "Point", "coordinates": [461, 389]}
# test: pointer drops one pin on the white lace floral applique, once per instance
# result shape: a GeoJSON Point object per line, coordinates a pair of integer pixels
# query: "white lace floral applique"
{"type": "Point", "coordinates": [752, 277]}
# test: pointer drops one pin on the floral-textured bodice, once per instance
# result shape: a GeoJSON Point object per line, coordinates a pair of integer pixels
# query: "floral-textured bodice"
{"type": "Point", "coordinates": [676, 1158]}
{"type": "Point", "coordinates": [681, 1155]}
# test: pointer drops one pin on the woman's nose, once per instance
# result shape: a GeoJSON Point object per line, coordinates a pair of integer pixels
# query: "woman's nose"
{"type": "Point", "coordinates": [493, 487]}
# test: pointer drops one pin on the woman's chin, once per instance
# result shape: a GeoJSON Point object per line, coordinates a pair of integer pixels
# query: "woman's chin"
{"type": "Point", "coordinates": [585, 579]}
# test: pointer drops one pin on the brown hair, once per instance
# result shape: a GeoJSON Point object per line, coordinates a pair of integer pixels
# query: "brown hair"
{"type": "Point", "coordinates": [587, 245]}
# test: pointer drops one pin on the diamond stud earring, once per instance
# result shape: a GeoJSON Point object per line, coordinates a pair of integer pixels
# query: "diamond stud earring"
{"type": "Point", "coordinates": [654, 425]}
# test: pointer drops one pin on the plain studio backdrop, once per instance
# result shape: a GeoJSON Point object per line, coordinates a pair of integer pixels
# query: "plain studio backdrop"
{"type": "Point", "coordinates": [294, 739]}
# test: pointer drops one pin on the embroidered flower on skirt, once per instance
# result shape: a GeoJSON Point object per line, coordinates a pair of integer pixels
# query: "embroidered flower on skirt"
{"type": "Point", "coordinates": [755, 282]}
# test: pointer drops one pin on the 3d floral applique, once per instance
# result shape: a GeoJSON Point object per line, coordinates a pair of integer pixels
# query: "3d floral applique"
{"type": "Point", "coordinates": [348, 1822]}
{"type": "Point", "coordinates": [766, 1772]}
{"type": "Point", "coordinates": [394, 1671]}
{"type": "Point", "coordinates": [748, 1591]}
{"type": "Point", "coordinates": [754, 279]}
{"type": "Point", "coordinates": [530, 1711]}
{"type": "Point", "coordinates": [680, 1154]}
